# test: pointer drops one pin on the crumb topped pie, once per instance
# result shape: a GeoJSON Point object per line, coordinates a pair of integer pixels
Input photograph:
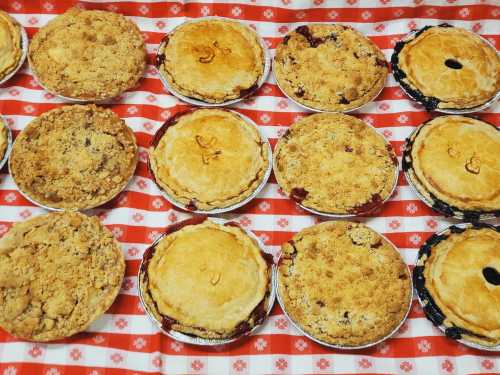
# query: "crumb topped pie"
{"type": "Point", "coordinates": [458, 281]}
{"type": "Point", "coordinates": [88, 54]}
{"type": "Point", "coordinates": [207, 280]}
{"type": "Point", "coordinates": [453, 162]}
{"type": "Point", "coordinates": [58, 273]}
{"type": "Point", "coordinates": [4, 140]}
{"type": "Point", "coordinates": [335, 164]}
{"type": "Point", "coordinates": [446, 67]}
{"type": "Point", "coordinates": [10, 44]}
{"type": "Point", "coordinates": [213, 60]}
{"type": "Point", "coordinates": [343, 284]}
{"type": "Point", "coordinates": [74, 157]}
{"type": "Point", "coordinates": [209, 159]}
{"type": "Point", "coordinates": [329, 67]}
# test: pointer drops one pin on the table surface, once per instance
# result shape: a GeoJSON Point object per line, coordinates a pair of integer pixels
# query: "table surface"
{"type": "Point", "coordinates": [124, 341]}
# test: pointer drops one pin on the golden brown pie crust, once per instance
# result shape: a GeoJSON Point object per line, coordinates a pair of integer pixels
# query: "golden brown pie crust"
{"type": "Point", "coordinates": [335, 163]}
{"type": "Point", "coordinates": [212, 60]}
{"type": "Point", "coordinates": [201, 151]}
{"type": "Point", "coordinates": [329, 67]}
{"type": "Point", "coordinates": [74, 157]}
{"type": "Point", "coordinates": [207, 279]}
{"type": "Point", "coordinates": [88, 54]}
{"type": "Point", "coordinates": [3, 139]}
{"type": "Point", "coordinates": [10, 44]}
{"type": "Point", "coordinates": [58, 273]}
{"type": "Point", "coordinates": [452, 65]}
{"type": "Point", "coordinates": [455, 158]}
{"type": "Point", "coordinates": [343, 283]}
{"type": "Point", "coordinates": [455, 280]}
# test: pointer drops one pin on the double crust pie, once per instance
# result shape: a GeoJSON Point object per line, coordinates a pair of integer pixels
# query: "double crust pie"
{"type": "Point", "coordinates": [206, 280]}
{"type": "Point", "coordinates": [343, 284]}
{"type": "Point", "coordinates": [10, 44]}
{"type": "Point", "coordinates": [208, 159]}
{"type": "Point", "coordinates": [88, 54]}
{"type": "Point", "coordinates": [4, 140]}
{"type": "Point", "coordinates": [457, 278]}
{"type": "Point", "coordinates": [446, 67]}
{"type": "Point", "coordinates": [336, 164]}
{"type": "Point", "coordinates": [74, 157]}
{"type": "Point", "coordinates": [329, 67]}
{"type": "Point", "coordinates": [213, 60]}
{"type": "Point", "coordinates": [58, 273]}
{"type": "Point", "coordinates": [453, 162]}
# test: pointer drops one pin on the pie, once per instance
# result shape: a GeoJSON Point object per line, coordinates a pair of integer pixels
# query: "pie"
{"type": "Point", "coordinates": [58, 273]}
{"type": "Point", "coordinates": [74, 157]}
{"type": "Point", "coordinates": [10, 44]}
{"type": "Point", "coordinates": [453, 162]}
{"type": "Point", "coordinates": [4, 140]}
{"type": "Point", "coordinates": [213, 60]}
{"type": "Point", "coordinates": [88, 54]}
{"type": "Point", "coordinates": [335, 163]}
{"type": "Point", "coordinates": [207, 159]}
{"type": "Point", "coordinates": [446, 67]}
{"type": "Point", "coordinates": [329, 67]}
{"type": "Point", "coordinates": [343, 284]}
{"type": "Point", "coordinates": [458, 281]}
{"type": "Point", "coordinates": [206, 280]}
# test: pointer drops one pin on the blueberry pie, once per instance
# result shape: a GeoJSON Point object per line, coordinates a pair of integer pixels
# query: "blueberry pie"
{"type": "Point", "coordinates": [446, 67]}
{"type": "Point", "coordinates": [329, 67]}
{"type": "Point", "coordinates": [335, 164]}
{"type": "Point", "coordinates": [452, 161]}
{"type": "Point", "coordinates": [343, 284]}
{"type": "Point", "coordinates": [10, 44]}
{"type": "Point", "coordinates": [213, 60]}
{"type": "Point", "coordinates": [458, 281]}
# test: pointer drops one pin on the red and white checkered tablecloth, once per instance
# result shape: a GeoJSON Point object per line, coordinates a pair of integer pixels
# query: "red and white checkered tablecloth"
{"type": "Point", "coordinates": [124, 341]}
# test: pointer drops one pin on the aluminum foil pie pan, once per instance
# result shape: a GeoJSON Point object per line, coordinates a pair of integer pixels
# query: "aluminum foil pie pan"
{"type": "Point", "coordinates": [199, 102]}
{"type": "Point", "coordinates": [24, 52]}
{"type": "Point", "coordinates": [431, 310]}
{"type": "Point", "coordinates": [195, 340]}
{"type": "Point", "coordinates": [5, 156]}
{"type": "Point", "coordinates": [345, 347]}
{"type": "Point", "coordinates": [373, 210]}
{"type": "Point", "coordinates": [161, 131]}
{"type": "Point", "coordinates": [434, 203]}
{"type": "Point", "coordinates": [416, 96]}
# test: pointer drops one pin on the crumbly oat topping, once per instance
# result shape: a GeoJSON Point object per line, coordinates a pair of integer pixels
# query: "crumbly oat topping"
{"type": "Point", "coordinates": [3, 139]}
{"type": "Point", "coordinates": [58, 273]}
{"type": "Point", "coordinates": [88, 54]}
{"type": "Point", "coordinates": [74, 157]}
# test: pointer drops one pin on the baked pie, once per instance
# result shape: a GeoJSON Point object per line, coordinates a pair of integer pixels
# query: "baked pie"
{"type": "Point", "coordinates": [206, 280]}
{"type": "Point", "coordinates": [10, 44]}
{"type": "Point", "coordinates": [446, 67]}
{"type": "Point", "coordinates": [88, 54]}
{"type": "Point", "coordinates": [458, 282]}
{"type": "Point", "coordinates": [58, 273]}
{"type": "Point", "coordinates": [209, 159]}
{"type": "Point", "coordinates": [329, 67]}
{"type": "Point", "coordinates": [335, 164]}
{"type": "Point", "coordinates": [452, 161]}
{"type": "Point", "coordinates": [4, 140]}
{"type": "Point", "coordinates": [213, 60]}
{"type": "Point", "coordinates": [74, 157]}
{"type": "Point", "coordinates": [343, 284]}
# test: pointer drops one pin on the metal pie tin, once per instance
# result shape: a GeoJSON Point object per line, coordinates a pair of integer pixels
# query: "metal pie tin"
{"type": "Point", "coordinates": [199, 102]}
{"type": "Point", "coordinates": [350, 215]}
{"type": "Point", "coordinates": [421, 192]}
{"type": "Point", "coordinates": [345, 347]}
{"type": "Point", "coordinates": [24, 52]}
{"type": "Point", "coordinates": [5, 156]}
{"type": "Point", "coordinates": [161, 131]}
{"type": "Point", "coordinates": [430, 308]}
{"type": "Point", "coordinates": [450, 111]}
{"type": "Point", "coordinates": [195, 340]}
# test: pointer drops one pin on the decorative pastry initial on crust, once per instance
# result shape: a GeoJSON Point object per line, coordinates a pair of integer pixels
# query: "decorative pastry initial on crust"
{"type": "Point", "coordinates": [207, 53]}
{"type": "Point", "coordinates": [207, 148]}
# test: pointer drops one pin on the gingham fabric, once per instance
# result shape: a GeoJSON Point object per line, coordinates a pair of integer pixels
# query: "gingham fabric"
{"type": "Point", "coordinates": [124, 341]}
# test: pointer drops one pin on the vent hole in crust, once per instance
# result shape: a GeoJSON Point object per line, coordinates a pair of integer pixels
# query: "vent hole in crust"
{"type": "Point", "coordinates": [491, 275]}
{"type": "Point", "coordinates": [453, 64]}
